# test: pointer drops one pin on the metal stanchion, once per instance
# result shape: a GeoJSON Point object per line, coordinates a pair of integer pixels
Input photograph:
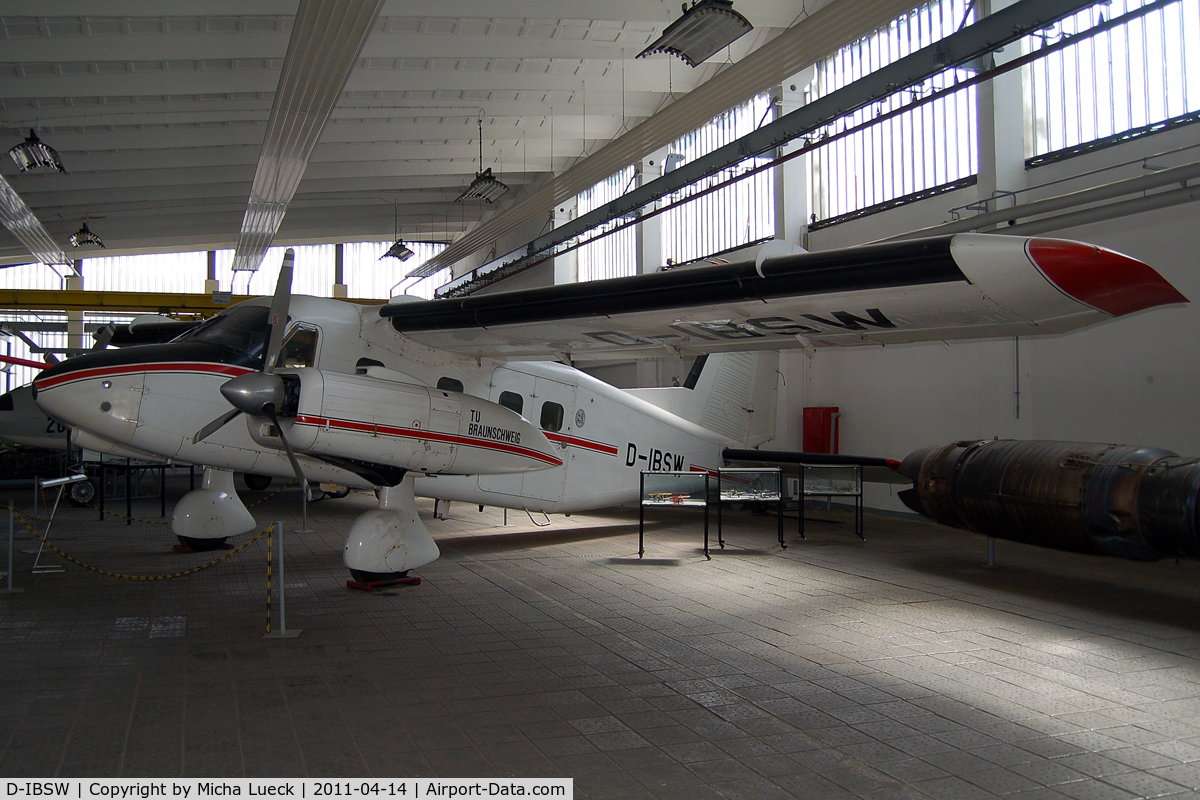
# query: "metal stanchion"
{"type": "Point", "coordinates": [283, 632]}
{"type": "Point", "coordinates": [9, 588]}
{"type": "Point", "coordinates": [61, 483]}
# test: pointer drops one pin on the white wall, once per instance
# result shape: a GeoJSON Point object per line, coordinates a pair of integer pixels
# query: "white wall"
{"type": "Point", "coordinates": [1132, 381]}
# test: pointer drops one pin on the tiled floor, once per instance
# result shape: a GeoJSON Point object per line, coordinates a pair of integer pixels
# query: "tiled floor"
{"type": "Point", "coordinates": [897, 668]}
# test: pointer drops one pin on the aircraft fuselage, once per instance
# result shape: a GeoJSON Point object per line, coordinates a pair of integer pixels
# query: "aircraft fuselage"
{"type": "Point", "coordinates": [581, 445]}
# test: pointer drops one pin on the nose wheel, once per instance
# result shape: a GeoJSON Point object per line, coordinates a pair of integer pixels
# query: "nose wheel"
{"type": "Point", "coordinates": [366, 581]}
{"type": "Point", "coordinates": [202, 545]}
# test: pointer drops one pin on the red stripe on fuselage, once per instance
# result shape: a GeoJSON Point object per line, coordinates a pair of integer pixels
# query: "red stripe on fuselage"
{"type": "Point", "coordinates": [126, 369]}
{"type": "Point", "coordinates": [415, 433]}
{"type": "Point", "coordinates": [587, 444]}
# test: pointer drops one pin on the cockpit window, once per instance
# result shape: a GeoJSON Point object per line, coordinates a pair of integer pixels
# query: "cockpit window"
{"type": "Point", "coordinates": [242, 328]}
{"type": "Point", "coordinates": [299, 348]}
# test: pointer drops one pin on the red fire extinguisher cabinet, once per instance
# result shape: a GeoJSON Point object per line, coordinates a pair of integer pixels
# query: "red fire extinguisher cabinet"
{"type": "Point", "coordinates": [820, 429]}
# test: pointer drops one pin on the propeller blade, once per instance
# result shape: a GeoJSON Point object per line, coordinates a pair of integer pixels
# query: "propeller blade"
{"type": "Point", "coordinates": [295, 468]}
{"type": "Point", "coordinates": [279, 312]}
{"type": "Point", "coordinates": [215, 425]}
{"type": "Point", "coordinates": [299, 473]}
{"type": "Point", "coordinates": [287, 447]}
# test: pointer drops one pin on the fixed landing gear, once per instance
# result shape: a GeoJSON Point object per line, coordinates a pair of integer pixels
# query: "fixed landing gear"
{"type": "Point", "coordinates": [386, 542]}
{"type": "Point", "coordinates": [206, 517]}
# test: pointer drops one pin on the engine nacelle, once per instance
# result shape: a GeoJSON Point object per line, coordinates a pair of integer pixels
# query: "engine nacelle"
{"type": "Point", "coordinates": [370, 422]}
{"type": "Point", "coordinates": [1132, 502]}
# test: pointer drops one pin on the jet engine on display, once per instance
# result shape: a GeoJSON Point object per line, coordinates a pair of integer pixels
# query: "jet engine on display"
{"type": "Point", "coordinates": [1104, 499]}
{"type": "Point", "coordinates": [461, 399]}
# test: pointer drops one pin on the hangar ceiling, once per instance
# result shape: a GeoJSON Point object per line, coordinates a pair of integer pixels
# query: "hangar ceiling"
{"type": "Point", "coordinates": [159, 110]}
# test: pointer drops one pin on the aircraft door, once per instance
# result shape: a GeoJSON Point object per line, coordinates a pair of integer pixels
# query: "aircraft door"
{"type": "Point", "coordinates": [548, 404]}
{"type": "Point", "coordinates": [554, 412]}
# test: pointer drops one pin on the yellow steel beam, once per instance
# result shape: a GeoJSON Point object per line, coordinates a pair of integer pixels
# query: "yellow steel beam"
{"type": "Point", "coordinates": [119, 302]}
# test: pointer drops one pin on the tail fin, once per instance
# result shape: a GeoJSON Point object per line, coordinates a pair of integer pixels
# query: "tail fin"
{"type": "Point", "coordinates": [732, 394]}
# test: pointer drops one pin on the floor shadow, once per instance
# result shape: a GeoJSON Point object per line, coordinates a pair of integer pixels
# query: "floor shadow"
{"type": "Point", "coordinates": [499, 541]}
{"type": "Point", "coordinates": [739, 551]}
{"type": "Point", "coordinates": [654, 562]}
{"type": "Point", "coordinates": [1118, 589]}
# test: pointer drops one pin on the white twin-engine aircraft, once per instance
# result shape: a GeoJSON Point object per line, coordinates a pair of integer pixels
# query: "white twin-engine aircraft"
{"type": "Point", "coordinates": [463, 399]}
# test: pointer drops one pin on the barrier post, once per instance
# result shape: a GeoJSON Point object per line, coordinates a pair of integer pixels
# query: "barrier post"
{"type": "Point", "coordinates": [283, 632]}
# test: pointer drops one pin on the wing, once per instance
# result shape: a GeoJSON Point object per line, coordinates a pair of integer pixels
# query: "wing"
{"type": "Point", "coordinates": [144, 330]}
{"type": "Point", "coordinates": [950, 287]}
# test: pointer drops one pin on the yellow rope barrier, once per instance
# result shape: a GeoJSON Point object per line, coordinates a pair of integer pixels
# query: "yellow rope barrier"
{"type": "Point", "coordinates": [22, 519]}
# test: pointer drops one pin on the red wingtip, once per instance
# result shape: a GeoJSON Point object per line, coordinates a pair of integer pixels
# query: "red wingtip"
{"type": "Point", "coordinates": [893, 463]}
{"type": "Point", "coordinates": [1104, 279]}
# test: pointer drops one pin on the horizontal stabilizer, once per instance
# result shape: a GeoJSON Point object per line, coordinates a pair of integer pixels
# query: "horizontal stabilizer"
{"type": "Point", "coordinates": [875, 470]}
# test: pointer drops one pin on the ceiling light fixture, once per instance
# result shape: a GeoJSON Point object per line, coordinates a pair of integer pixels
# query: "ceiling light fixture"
{"type": "Point", "coordinates": [399, 250]}
{"type": "Point", "coordinates": [85, 236]}
{"type": "Point", "coordinates": [704, 28]}
{"type": "Point", "coordinates": [486, 186]}
{"type": "Point", "coordinates": [33, 153]}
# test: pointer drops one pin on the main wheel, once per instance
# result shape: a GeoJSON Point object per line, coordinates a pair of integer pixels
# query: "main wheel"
{"type": "Point", "coordinates": [201, 545]}
{"type": "Point", "coordinates": [256, 483]}
{"type": "Point", "coordinates": [362, 576]}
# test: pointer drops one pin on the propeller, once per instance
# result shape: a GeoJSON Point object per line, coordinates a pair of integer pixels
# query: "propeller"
{"type": "Point", "coordinates": [262, 394]}
{"type": "Point", "coordinates": [277, 319]}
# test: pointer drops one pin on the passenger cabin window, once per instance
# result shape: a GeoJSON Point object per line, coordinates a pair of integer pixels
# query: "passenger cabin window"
{"type": "Point", "coordinates": [552, 416]}
{"type": "Point", "coordinates": [299, 348]}
{"type": "Point", "coordinates": [450, 384]}
{"type": "Point", "coordinates": [512, 401]}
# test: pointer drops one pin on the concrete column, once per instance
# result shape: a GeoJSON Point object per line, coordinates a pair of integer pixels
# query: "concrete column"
{"type": "Point", "coordinates": [210, 282]}
{"type": "Point", "coordinates": [566, 266]}
{"type": "Point", "coordinates": [1001, 110]}
{"type": "Point", "coordinates": [339, 281]}
{"type": "Point", "coordinates": [75, 332]}
{"type": "Point", "coordinates": [791, 178]}
{"type": "Point", "coordinates": [648, 232]}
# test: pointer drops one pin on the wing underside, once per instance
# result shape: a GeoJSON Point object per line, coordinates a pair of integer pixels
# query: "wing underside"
{"type": "Point", "coordinates": [964, 286]}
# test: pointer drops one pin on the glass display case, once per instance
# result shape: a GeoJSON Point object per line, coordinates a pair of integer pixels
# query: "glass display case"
{"type": "Point", "coordinates": [672, 490]}
{"type": "Point", "coordinates": [832, 480]}
{"type": "Point", "coordinates": [750, 485]}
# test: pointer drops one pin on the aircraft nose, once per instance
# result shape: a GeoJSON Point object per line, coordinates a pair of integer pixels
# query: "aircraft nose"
{"type": "Point", "coordinates": [95, 393]}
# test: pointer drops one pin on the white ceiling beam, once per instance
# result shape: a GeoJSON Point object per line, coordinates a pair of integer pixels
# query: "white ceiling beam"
{"type": "Point", "coordinates": [131, 84]}
{"type": "Point", "coordinates": [173, 48]}
{"type": "Point", "coordinates": [166, 47]}
{"type": "Point", "coordinates": [166, 8]}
